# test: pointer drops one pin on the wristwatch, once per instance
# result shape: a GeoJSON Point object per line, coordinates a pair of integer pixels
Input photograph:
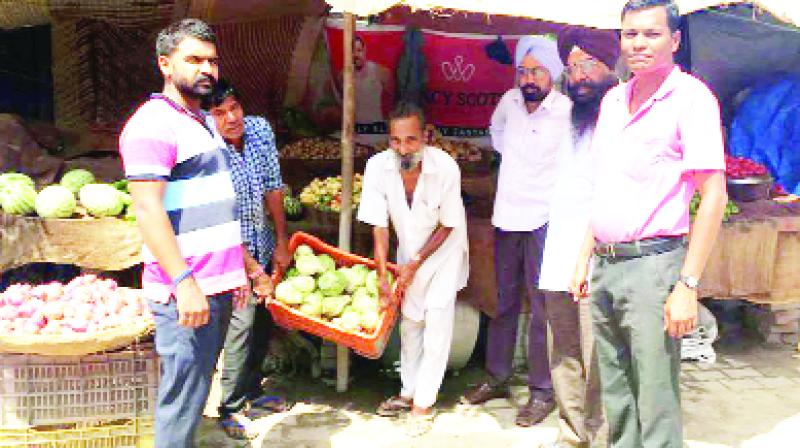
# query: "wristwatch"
{"type": "Point", "coordinates": [689, 281]}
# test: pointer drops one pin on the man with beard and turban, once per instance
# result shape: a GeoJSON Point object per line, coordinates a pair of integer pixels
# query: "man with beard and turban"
{"type": "Point", "coordinates": [527, 128]}
{"type": "Point", "coordinates": [185, 205]}
{"type": "Point", "coordinates": [658, 140]}
{"type": "Point", "coordinates": [590, 56]}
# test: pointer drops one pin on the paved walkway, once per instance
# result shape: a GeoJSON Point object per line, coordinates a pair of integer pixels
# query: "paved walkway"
{"type": "Point", "coordinates": [749, 398]}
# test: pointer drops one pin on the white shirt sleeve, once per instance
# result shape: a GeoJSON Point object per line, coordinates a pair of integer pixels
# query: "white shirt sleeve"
{"type": "Point", "coordinates": [498, 125]}
{"type": "Point", "coordinates": [451, 212]}
{"type": "Point", "coordinates": [374, 207]}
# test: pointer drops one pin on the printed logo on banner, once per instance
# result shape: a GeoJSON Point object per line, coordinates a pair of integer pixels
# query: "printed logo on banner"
{"type": "Point", "coordinates": [464, 84]}
{"type": "Point", "coordinates": [457, 70]}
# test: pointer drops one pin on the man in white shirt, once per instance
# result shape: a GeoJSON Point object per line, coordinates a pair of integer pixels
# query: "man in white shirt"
{"type": "Point", "coordinates": [418, 189]}
{"type": "Point", "coordinates": [527, 127]}
{"type": "Point", "coordinates": [590, 56]}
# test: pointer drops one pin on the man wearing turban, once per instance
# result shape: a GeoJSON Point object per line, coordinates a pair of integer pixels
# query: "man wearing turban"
{"type": "Point", "coordinates": [527, 128]}
{"type": "Point", "coordinates": [589, 56]}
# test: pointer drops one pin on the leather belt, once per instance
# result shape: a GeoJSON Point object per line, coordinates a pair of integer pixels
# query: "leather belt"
{"type": "Point", "coordinates": [639, 248]}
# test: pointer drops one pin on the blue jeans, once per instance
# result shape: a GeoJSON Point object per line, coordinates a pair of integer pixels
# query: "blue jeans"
{"type": "Point", "coordinates": [188, 357]}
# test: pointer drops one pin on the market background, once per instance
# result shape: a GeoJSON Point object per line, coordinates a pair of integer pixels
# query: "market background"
{"type": "Point", "coordinates": [72, 72]}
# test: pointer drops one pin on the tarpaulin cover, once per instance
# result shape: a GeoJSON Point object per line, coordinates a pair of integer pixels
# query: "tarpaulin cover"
{"type": "Point", "coordinates": [767, 129]}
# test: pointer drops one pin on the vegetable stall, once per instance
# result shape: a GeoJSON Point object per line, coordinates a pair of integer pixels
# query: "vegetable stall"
{"type": "Point", "coordinates": [755, 257]}
{"type": "Point", "coordinates": [76, 360]}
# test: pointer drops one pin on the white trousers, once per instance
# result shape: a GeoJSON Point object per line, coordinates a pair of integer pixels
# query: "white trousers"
{"type": "Point", "coordinates": [425, 349]}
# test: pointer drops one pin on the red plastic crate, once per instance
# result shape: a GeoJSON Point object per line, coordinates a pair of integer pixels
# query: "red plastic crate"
{"type": "Point", "coordinates": [368, 345]}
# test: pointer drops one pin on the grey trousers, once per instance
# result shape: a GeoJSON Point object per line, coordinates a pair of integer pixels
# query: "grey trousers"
{"type": "Point", "coordinates": [639, 362]}
{"type": "Point", "coordinates": [245, 348]}
{"type": "Point", "coordinates": [573, 367]}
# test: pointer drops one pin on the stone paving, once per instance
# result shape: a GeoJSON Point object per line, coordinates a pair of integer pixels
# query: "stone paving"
{"type": "Point", "coordinates": [750, 398]}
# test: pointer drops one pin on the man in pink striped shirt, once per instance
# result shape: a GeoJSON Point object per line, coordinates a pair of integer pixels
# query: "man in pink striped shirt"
{"type": "Point", "coordinates": [186, 209]}
{"type": "Point", "coordinates": [658, 139]}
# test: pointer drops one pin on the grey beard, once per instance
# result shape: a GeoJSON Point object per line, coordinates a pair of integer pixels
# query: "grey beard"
{"type": "Point", "coordinates": [408, 162]}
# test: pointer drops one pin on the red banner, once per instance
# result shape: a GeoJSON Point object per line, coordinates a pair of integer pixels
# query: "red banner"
{"type": "Point", "coordinates": [464, 84]}
{"type": "Point", "coordinates": [376, 53]}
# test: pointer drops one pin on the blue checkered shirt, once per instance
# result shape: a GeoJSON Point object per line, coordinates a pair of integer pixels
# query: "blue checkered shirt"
{"type": "Point", "coordinates": [255, 171]}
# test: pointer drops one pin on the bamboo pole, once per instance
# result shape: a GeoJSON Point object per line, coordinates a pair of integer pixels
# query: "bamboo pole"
{"type": "Point", "coordinates": [346, 215]}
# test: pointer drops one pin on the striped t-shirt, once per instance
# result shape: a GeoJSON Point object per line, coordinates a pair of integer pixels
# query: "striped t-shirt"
{"type": "Point", "coordinates": [163, 141]}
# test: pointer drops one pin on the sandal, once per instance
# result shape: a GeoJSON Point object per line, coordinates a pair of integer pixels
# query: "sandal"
{"type": "Point", "coordinates": [417, 425]}
{"type": "Point", "coordinates": [393, 406]}
{"type": "Point", "coordinates": [272, 403]}
{"type": "Point", "coordinates": [266, 404]}
{"type": "Point", "coordinates": [236, 426]}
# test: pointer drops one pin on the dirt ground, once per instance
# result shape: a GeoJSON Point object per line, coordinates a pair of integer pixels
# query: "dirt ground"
{"type": "Point", "coordinates": [749, 398]}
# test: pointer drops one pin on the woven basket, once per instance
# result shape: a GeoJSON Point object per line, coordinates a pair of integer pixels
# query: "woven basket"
{"type": "Point", "coordinates": [76, 343]}
{"type": "Point", "coordinates": [368, 345]}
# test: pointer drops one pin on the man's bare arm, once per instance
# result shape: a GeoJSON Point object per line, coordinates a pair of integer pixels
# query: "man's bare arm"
{"type": "Point", "coordinates": [274, 202]}
{"type": "Point", "coordinates": [680, 309]}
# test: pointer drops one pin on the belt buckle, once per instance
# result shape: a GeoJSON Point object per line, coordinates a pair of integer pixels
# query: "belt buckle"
{"type": "Point", "coordinates": [607, 250]}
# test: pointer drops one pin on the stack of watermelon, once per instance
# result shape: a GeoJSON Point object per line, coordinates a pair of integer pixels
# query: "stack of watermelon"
{"type": "Point", "coordinates": [77, 191]}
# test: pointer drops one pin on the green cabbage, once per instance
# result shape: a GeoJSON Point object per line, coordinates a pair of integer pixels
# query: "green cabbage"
{"type": "Point", "coordinates": [372, 282]}
{"type": "Point", "coordinates": [334, 306]}
{"type": "Point", "coordinates": [9, 179]}
{"type": "Point", "coordinates": [362, 269]}
{"type": "Point", "coordinates": [303, 283]}
{"type": "Point", "coordinates": [101, 200]}
{"type": "Point", "coordinates": [355, 277]}
{"type": "Point", "coordinates": [350, 320]}
{"type": "Point", "coordinates": [291, 272]}
{"type": "Point", "coordinates": [363, 302]}
{"type": "Point", "coordinates": [55, 201]}
{"type": "Point", "coordinates": [126, 198]}
{"type": "Point", "coordinates": [286, 293]}
{"type": "Point", "coordinates": [370, 320]}
{"type": "Point", "coordinates": [18, 198]}
{"type": "Point", "coordinates": [327, 263]}
{"type": "Point", "coordinates": [75, 179]}
{"type": "Point", "coordinates": [312, 305]}
{"type": "Point", "coordinates": [308, 265]}
{"type": "Point", "coordinates": [121, 185]}
{"type": "Point", "coordinates": [129, 215]}
{"type": "Point", "coordinates": [301, 250]}
{"type": "Point", "coordinates": [332, 283]}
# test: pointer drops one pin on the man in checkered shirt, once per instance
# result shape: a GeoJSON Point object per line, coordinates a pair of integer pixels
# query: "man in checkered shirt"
{"type": "Point", "coordinates": [259, 190]}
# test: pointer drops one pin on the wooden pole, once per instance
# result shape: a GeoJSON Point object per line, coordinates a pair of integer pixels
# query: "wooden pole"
{"type": "Point", "coordinates": [346, 215]}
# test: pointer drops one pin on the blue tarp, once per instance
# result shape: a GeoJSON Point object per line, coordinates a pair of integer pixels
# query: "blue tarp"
{"type": "Point", "coordinates": [767, 129]}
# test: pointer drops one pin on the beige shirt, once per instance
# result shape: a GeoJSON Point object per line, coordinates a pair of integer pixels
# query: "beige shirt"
{"type": "Point", "coordinates": [437, 201]}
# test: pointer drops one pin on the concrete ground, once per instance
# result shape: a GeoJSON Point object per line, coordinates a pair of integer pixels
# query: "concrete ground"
{"type": "Point", "coordinates": [750, 398]}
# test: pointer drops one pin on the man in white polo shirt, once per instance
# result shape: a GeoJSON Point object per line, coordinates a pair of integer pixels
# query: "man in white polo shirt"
{"type": "Point", "coordinates": [527, 128]}
{"type": "Point", "coordinates": [418, 189]}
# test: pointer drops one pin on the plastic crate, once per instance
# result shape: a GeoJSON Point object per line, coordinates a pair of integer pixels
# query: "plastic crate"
{"type": "Point", "coordinates": [135, 433]}
{"type": "Point", "coordinates": [368, 345]}
{"type": "Point", "coordinates": [38, 390]}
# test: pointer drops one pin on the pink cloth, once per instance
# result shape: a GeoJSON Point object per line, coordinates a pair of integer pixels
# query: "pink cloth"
{"type": "Point", "coordinates": [644, 161]}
